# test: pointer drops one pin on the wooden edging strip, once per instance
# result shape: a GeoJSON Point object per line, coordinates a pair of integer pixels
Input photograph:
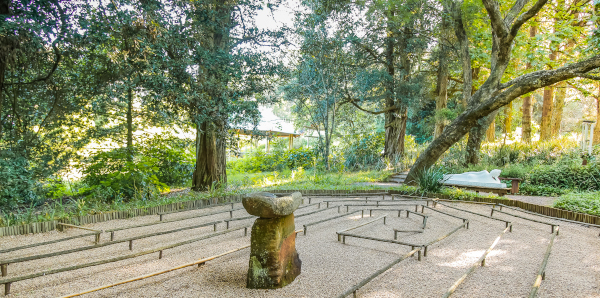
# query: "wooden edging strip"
{"type": "Point", "coordinates": [442, 212]}
{"type": "Point", "coordinates": [313, 212]}
{"type": "Point", "coordinates": [550, 217]}
{"type": "Point", "coordinates": [78, 227]}
{"type": "Point", "coordinates": [449, 233]}
{"type": "Point", "coordinates": [378, 272]}
{"type": "Point", "coordinates": [498, 219]}
{"type": "Point", "coordinates": [63, 252]}
{"type": "Point", "coordinates": [198, 208]}
{"type": "Point", "coordinates": [363, 224]}
{"type": "Point", "coordinates": [7, 282]}
{"type": "Point", "coordinates": [327, 219]}
{"type": "Point", "coordinates": [169, 221]}
{"type": "Point", "coordinates": [542, 272]}
{"type": "Point", "coordinates": [463, 201]}
{"type": "Point", "coordinates": [481, 262]}
{"type": "Point", "coordinates": [201, 261]}
{"type": "Point", "coordinates": [529, 219]}
{"type": "Point", "coordinates": [344, 235]}
{"type": "Point", "coordinates": [46, 243]}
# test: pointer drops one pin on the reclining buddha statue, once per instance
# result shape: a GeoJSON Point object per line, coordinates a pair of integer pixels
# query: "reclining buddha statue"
{"type": "Point", "coordinates": [480, 179]}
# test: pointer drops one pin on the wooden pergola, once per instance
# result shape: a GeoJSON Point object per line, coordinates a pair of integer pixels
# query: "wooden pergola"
{"type": "Point", "coordinates": [269, 134]}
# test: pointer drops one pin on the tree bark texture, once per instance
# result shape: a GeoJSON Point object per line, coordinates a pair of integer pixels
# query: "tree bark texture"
{"type": "Point", "coordinates": [527, 104]}
{"type": "Point", "coordinates": [546, 125]}
{"type": "Point", "coordinates": [508, 110]}
{"type": "Point", "coordinates": [463, 42]}
{"type": "Point", "coordinates": [395, 120]}
{"type": "Point", "coordinates": [557, 110]}
{"type": "Point", "coordinates": [442, 80]}
{"type": "Point", "coordinates": [493, 94]}
{"type": "Point", "coordinates": [526, 120]}
{"type": "Point", "coordinates": [597, 128]}
{"type": "Point", "coordinates": [210, 157]}
{"type": "Point", "coordinates": [211, 132]}
{"type": "Point", "coordinates": [477, 133]}
{"type": "Point", "coordinates": [490, 133]}
{"type": "Point", "coordinates": [4, 13]}
{"type": "Point", "coordinates": [130, 122]}
{"type": "Point", "coordinates": [395, 130]}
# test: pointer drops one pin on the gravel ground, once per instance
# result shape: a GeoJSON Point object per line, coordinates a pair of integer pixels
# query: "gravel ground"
{"type": "Point", "coordinates": [543, 201]}
{"type": "Point", "coordinates": [328, 267]}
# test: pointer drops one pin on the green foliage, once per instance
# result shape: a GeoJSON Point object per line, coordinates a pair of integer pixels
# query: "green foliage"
{"type": "Point", "coordinates": [567, 176]}
{"type": "Point", "coordinates": [114, 176]}
{"type": "Point", "coordinates": [430, 180]}
{"type": "Point", "coordinates": [541, 190]}
{"type": "Point", "coordinates": [363, 150]}
{"type": "Point", "coordinates": [259, 161]}
{"type": "Point", "coordinates": [174, 158]}
{"type": "Point", "coordinates": [585, 202]}
{"type": "Point", "coordinates": [18, 186]}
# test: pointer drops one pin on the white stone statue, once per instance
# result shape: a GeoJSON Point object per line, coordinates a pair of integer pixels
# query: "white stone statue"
{"type": "Point", "coordinates": [482, 179]}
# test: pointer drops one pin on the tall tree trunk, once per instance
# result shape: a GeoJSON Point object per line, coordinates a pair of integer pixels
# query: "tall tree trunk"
{"type": "Point", "coordinates": [526, 126]}
{"type": "Point", "coordinates": [477, 133]}
{"type": "Point", "coordinates": [463, 41]}
{"type": "Point", "coordinates": [508, 110]}
{"type": "Point", "coordinates": [546, 125]}
{"type": "Point", "coordinates": [2, 75]}
{"type": "Point", "coordinates": [130, 123]}
{"type": "Point", "coordinates": [442, 89]}
{"type": "Point", "coordinates": [210, 157]}
{"type": "Point", "coordinates": [490, 133]}
{"type": "Point", "coordinates": [559, 104]}
{"type": "Point", "coordinates": [4, 13]}
{"type": "Point", "coordinates": [394, 126]}
{"type": "Point", "coordinates": [597, 128]}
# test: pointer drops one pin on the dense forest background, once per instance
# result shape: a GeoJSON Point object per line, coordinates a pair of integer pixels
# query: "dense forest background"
{"type": "Point", "coordinates": [114, 101]}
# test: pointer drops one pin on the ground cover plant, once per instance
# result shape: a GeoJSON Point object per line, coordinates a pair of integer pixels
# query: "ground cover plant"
{"type": "Point", "coordinates": [584, 202]}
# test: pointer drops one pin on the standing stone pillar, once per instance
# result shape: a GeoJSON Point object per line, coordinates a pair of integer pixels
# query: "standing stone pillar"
{"type": "Point", "coordinates": [274, 261]}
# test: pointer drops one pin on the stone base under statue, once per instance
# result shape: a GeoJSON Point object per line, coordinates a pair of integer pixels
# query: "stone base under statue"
{"type": "Point", "coordinates": [274, 261]}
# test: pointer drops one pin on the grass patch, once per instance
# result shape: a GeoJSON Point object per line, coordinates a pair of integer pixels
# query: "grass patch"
{"type": "Point", "coordinates": [585, 202]}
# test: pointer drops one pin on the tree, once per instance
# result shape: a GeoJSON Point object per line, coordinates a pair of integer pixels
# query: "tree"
{"type": "Point", "coordinates": [318, 80]}
{"type": "Point", "coordinates": [214, 70]}
{"type": "Point", "coordinates": [494, 94]}
{"type": "Point", "coordinates": [442, 75]}
{"type": "Point", "coordinates": [387, 42]}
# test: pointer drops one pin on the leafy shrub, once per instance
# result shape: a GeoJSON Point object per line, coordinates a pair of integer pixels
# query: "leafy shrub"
{"type": "Point", "coordinates": [259, 161]}
{"type": "Point", "coordinates": [174, 158]}
{"type": "Point", "coordinates": [430, 180]}
{"type": "Point", "coordinates": [587, 202]}
{"type": "Point", "coordinates": [364, 150]}
{"type": "Point", "coordinates": [114, 176]}
{"type": "Point", "coordinates": [567, 176]}
{"type": "Point", "coordinates": [18, 185]}
{"type": "Point", "coordinates": [542, 190]}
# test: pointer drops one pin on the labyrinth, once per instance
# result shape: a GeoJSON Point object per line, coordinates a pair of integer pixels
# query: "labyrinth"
{"type": "Point", "coordinates": [354, 245]}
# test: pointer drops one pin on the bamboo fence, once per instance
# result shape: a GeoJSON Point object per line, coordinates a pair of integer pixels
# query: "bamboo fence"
{"type": "Point", "coordinates": [42, 227]}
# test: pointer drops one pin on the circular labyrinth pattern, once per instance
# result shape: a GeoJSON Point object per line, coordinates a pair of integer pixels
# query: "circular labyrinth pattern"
{"type": "Point", "coordinates": [352, 245]}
